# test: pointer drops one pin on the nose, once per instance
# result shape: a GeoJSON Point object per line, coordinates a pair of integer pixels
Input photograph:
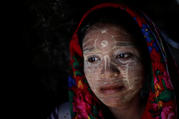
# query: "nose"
{"type": "Point", "coordinates": [109, 70]}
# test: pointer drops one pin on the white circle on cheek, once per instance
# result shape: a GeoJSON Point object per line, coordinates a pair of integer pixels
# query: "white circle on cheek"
{"type": "Point", "coordinates": [104, 43]}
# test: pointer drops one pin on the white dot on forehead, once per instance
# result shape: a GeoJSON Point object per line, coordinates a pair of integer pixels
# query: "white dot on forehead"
{"type": "Point", "coordinates": [104, 43]}
{"type": "Point", "coordinates": [103, 31]}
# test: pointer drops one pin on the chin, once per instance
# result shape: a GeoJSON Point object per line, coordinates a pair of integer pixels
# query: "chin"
{"type": "Point", "coordinates": [117, 101]}
{"type": "Point", "coordinates": [113, 102]}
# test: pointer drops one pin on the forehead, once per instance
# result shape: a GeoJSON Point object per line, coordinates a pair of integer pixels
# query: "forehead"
{"type": "Point", "coordinates": [106, 35]}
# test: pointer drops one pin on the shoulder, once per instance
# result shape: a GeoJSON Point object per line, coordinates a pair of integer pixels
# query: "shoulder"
{"type": "Point", "coordinates": [62, 112]}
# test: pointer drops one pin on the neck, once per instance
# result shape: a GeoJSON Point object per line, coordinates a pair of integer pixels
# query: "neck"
{"type": "Point", "coordinates": [132, 110]}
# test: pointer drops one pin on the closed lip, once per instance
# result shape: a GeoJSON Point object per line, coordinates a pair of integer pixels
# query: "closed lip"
{"type": "Point", "coordinates": [111, 89]}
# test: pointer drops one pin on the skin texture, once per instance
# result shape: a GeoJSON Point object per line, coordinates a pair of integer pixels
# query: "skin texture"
{"type": "Point", "coordinates": [113, 68]}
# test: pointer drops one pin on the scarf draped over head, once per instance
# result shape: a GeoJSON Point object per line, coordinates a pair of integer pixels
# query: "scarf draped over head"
{"type": "Point", "coordinates": [161, 102]}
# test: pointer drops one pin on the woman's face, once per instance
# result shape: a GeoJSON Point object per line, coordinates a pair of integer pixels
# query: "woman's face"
{"type": "Point", "coordinates": [112, 64]}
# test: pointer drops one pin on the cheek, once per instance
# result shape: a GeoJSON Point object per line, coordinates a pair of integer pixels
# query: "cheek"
{"type": "Point", "coordinates": [90, 70]}
{"type": "Point", "coordinates": [92, 73]}
{"type": "Point", "coordinates": [133, 74]}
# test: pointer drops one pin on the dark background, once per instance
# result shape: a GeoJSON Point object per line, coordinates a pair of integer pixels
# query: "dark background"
{"type": "Point", "coordinates": [48, 27]}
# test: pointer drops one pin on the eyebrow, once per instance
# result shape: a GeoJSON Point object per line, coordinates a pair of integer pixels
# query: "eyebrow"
{"type": "Point", "coordinates": [88, 49]}
{"type": "Point", "coordinates": [125, 44]}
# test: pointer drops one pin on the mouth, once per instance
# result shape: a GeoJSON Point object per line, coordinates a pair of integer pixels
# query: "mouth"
{"type": "Point", "coordinates": [111, 89]}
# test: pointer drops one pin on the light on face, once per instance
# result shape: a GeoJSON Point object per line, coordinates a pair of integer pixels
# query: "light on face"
{"type": "Point", "coordinates": [111, 59]}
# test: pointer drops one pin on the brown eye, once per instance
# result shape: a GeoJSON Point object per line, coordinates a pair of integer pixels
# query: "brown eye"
{"type": "Point", "coordinates": [124, 56]}
{"type": "Point", "coordinates": [93, 59]}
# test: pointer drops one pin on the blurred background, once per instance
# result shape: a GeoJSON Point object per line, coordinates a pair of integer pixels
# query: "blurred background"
{"type": "Point", "coordinates": [48, 27]}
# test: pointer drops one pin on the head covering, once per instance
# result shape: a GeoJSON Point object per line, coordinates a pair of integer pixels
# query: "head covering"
{"type": "Point", "coordinates": [161, 102]}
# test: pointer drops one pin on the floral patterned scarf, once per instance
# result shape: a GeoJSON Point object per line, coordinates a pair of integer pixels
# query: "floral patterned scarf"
{"type": "Point", "coordinates": [161, 102]}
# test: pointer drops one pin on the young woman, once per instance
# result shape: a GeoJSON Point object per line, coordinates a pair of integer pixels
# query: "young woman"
{"type": "Point", "coordinates": [119, 67]}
